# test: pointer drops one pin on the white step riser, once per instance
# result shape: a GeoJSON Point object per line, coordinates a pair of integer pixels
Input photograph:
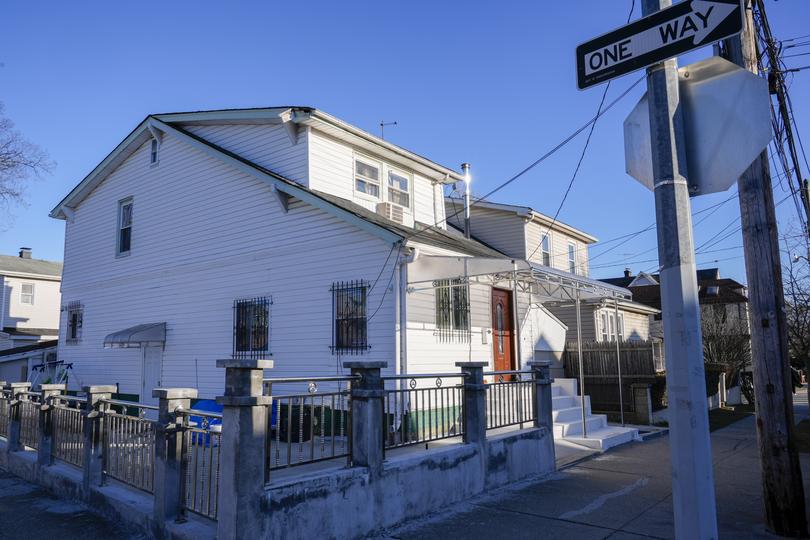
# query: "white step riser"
{"type": "Point", "coordinates": [575, 428]}
{"type": "Point", "coordinates": [566, 402]}
{"type": "Point", "coordinates": [604, 442]}
{"type": "Point", "coordinates": [571, 414]}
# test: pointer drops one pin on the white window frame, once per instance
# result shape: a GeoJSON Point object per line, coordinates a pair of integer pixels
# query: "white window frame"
{"type": "Point", "coordinates": [572, 257]}
{"type": "Point", "coordinates": [154, 152]}
{"type": "Point", "coordinates": [546, 253]}
{"type": "Point", "coordinates": [389, 188]}
{"type": "Point", "coordinates": [24, 294]}
{"type": "Point", "coordinates": [608, 327]}
{"type": "Point", "coordinates": [119, 226]}
{"type": "Point", "coordinates": [379, 183]}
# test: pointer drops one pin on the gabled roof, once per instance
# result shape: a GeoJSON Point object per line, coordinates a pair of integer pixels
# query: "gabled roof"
{"type": "Point", "coordinates": [365, 219]}
{"type": "Point", "coordinates": [288, 115]}
{"type": "Point", "coordinates": [28, 348]}
{"type": "Point", "coordinates": [529, 213]}
{"type": "Point", "coordinates": [12, 265]}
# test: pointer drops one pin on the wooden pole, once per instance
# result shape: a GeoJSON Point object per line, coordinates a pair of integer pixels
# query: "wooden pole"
{"type": "Point", "coordinates": [782, 489]}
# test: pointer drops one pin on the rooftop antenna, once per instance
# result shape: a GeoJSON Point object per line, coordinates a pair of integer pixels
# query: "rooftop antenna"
{"type": "Point", "coordinates": [383, 123]}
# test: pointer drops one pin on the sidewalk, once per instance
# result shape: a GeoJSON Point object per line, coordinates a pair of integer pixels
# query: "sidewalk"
{"type": "Point", "coordinates": [28, 511]}
{"type": "Point", "coordinates": [623, 494]}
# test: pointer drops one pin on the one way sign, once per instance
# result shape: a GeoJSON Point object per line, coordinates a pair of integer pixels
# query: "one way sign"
{"type": "Point", "coordinates": [664, 34]}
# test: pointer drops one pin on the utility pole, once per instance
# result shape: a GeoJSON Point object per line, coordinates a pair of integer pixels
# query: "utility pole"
{"type": "Point", "coordinates": [782, 489]}
{"type": "Point", "coordinates": [692, 480]}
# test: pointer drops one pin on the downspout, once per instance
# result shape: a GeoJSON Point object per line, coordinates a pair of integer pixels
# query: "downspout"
{"type": "Point", "coordinates": [403, 308]}
{"type": "Point", "coordinates": [516, 316]}
{"type": "Point", "coordinates": [465, 168]}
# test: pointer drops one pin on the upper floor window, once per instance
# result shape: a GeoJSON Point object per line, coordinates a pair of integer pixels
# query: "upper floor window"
{"type": "Point", "coordinates": [545, 249]}
{"type": "Point", "coordinates": [610, 327]}
{"type": "Point", "coordinates": [124, 227]}
{"type": "Point", "coordinates": [350, 328]}
{"type": "Point", "coordinates": [399, 188]}
{"type": "Point", "coordinates": [27, 293]}
{"type": "Point", "coordinates": [367, 177]}
{"type": "Point", "coordinates": [153, 152]}
{"type": "Point", "coordinates": [452, 309]}
{"type": "Point", "coordinates": [75, 316]}
{"type": "Point", "coordinates": [572, 257]}
{"type": "Point", "coordinates": [251, 327]}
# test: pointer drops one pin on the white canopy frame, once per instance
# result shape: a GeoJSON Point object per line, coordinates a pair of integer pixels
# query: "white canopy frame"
{"type": "Point", "coordinates": [543, 284]}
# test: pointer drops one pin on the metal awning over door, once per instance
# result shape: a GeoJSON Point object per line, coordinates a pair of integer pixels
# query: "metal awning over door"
{"type": "Point", "coordinates": [138, 336]}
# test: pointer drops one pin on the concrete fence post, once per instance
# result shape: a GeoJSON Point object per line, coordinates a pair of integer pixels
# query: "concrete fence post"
{"type": "Point", "coordinates": [45, 448]}
{"type": "Point", "coordinates": [92, 426]}
{"type": "Point", "coordinates": [14, 415]}
{"type": "Point", "coordinates": [367, 415]}
{"type": "Point", "coordinates": [474, 411]}
{"type": "Point", "coordinates": [642, 403]}
{"type": "Point", "coordinates": [542, 395]}
{"type": "Point", "coordinates": [240, 509]}
{"type": "Point", "coordinates": [168, 452]}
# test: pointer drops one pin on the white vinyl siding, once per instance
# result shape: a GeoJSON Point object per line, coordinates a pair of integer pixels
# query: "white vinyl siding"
{"type": "Point", "coordinates": [194, 258]}
{"type": "Point", "coordinates": [504, 232]}
{"type": "Point", "coordinates": [558, 248]}
{"type": "Point", "coordinates": [42, 312]}
{"type": "Point", "coordinates": [572, 258]}
{"type": "Point", "coordinates": [266, 145]}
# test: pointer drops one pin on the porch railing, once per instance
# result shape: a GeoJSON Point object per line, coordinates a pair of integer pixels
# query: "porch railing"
{"type": "Point", "coordinates": [201, 444]}
{"type": "Point", "coordinates": [129, 442]}
{"type": "Point", "coordinates": [422, 408]}
{"type": "Point", "coordinates": [68, 436]}
{"type": "Point", "coordinates": [510, 398]}
{"type": "Point", "coordinates": [307, 426]}
{"type": "Point", "coordinates": [29, 419]}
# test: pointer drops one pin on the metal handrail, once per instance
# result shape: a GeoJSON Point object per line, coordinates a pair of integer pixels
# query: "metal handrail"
{"type": "Point", "coordinates": [284, 380]}
{"type": "Point", "coordinates": [128, 404]}
{"type": "Point", "coordinates": [463, 374]}
{"type": "Point", "coordinates": [509, 372]}
{"type": "Point", "coordinates": [68, 397]}
{"type": "Point", "coordinates": [197, 412]}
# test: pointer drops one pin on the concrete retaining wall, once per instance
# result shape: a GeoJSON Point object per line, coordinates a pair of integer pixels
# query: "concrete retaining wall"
{"type": "Point", "coordinates": [349, 503]}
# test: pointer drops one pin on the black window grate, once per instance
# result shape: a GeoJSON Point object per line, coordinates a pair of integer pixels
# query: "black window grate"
{"type": "Point", "coordinates": [251, 327]}
{"type": "Point", "coordinates": [452, 310]}
{"type": "Point", "coordinates": [350, 328]}
{"type": "Point", "coordinates": [75, 321]}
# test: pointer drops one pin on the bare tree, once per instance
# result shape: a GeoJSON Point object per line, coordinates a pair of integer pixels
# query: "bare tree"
{"type": "Point", "coordinates": [797, 302]}
{"type": "Point", "coordinates": [20, 160]}
{"type": "Point", "coordinates": [726, 338]}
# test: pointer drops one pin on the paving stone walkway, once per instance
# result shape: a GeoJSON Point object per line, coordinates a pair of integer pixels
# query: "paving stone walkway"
{"type": "Point", "coordinates": [27, 511]}
{"type": "Point", "coordinates": [623, 494]}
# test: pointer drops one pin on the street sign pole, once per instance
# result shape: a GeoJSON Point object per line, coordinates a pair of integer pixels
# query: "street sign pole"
{"type": "Point", "coordinates": [692, 479]}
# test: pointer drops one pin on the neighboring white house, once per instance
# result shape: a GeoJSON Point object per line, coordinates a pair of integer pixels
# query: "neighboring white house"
{"type": "Point", "coordinates": [29, 300]}
{"type": "Point", "coordinates": [286, 233]}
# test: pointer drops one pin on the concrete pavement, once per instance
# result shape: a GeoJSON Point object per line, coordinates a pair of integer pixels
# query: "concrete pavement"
{"type": "Point", "coordinates": [28, 511]}
{"type": "Point", "coordinates": [625, 493]}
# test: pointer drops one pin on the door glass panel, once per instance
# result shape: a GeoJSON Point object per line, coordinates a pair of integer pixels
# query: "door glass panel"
{"type": "Point", "coordinates": [499, 325]}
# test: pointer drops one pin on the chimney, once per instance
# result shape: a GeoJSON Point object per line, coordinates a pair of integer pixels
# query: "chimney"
{"type": "Point", "coordinates": [465, 168]}
{"type": "Point", "coordinates": [627, 273]}
{"type": "Point", "coordinates": [25, 253]}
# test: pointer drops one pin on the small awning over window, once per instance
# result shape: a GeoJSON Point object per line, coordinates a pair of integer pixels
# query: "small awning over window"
{"type": "Point", "coordinates": [138, 336]}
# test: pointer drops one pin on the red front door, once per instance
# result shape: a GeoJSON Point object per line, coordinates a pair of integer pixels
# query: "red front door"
{"type": "Point", "coordinates": [502, 329]}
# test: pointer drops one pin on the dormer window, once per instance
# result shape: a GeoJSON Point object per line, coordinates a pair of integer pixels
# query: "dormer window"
{"type": "Point", "coordinates": [153, 152]}
{"type": "Point", "coordinates": [367, 177]}
{"type": "Point", "coordinates": [399, 188]}
{"type": "Point", "coordinates": [124, 244]}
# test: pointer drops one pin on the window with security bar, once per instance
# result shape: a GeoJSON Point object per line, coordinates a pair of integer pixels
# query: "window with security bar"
{"type": "Point", "coordinates": [452, 310]}
{"type": "Point", "coordinates": [251, 327]}
{"type": "Point", "coordinates": [350, 329]}
{"type": "Point", "coordinates": [75, 315]}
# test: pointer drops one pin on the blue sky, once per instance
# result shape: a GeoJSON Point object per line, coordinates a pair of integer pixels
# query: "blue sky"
{"type": "Point", "coordinates": [489, 83]}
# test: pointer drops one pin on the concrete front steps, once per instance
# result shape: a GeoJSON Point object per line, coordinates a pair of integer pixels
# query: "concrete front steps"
{"type": "Point", "coordinates": [567, 416]}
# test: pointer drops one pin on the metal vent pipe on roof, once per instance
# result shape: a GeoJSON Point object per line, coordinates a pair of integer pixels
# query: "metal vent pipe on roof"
{"type": "Point", "coordinates": [25, 253]}
{"type": "Point", "coordinates": [465, 169]}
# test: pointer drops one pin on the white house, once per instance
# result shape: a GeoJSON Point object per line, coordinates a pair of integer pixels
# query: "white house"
{"type": "Point", "coordinates": [286, 233]}
{"type": "Point", "coordinates": [29, 300]}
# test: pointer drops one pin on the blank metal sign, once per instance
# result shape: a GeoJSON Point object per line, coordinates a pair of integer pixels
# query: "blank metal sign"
{"type": "Point", "coordinates": [664, 34]}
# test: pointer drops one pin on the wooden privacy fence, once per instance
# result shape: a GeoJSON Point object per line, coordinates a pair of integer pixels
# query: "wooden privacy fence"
{"type": "Point", "coordinates": [602, 371]}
